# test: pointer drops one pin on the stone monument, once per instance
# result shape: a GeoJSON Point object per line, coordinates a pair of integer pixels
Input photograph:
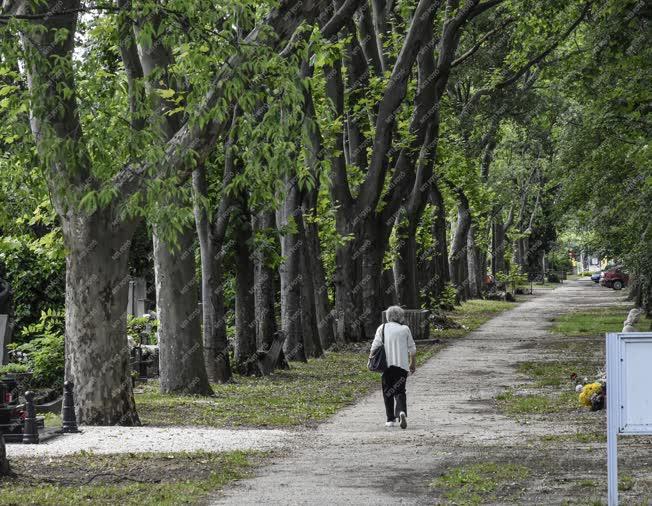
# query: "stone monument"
{"type": "Point", "coordinates": [6, 324]}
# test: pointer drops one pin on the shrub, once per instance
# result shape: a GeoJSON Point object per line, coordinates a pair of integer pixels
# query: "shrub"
{"type": "Point", "coordinates": [137, 328]}
{"type": "Point", "coordinates": [35, 270]}
{"type": "Point", "coordinates": [559, 261]}
{"type": "Point", "coordinates": [511, 279]}
{"type": "Point", "coordinates": [553, 278]}
{"type": "Point", "coordinates": [448, 297]}
{"type": "Point", "coordinates": [13, 368]}
{"type": "Point", "coordinates": [445, 301]}
{"type": "Point", "coordinates": [42, 351]}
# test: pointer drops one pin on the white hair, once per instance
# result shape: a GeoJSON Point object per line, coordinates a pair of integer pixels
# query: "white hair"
{"type": "Point", "coordinates": [395, 314]}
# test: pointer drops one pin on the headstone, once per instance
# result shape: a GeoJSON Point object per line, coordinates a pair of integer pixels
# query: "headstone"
{"type": "Point", "coordinates": [268, 360]}
{"type": "Point", "coordinates": [137, 300]}
{"type": "Point", "coordinates": [418, 320]}
{"type": "Point", "coordinates": [5, 337]}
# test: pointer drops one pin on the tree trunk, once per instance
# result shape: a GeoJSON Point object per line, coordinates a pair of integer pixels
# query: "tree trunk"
{"type": "Point", "coordinates": [312, 246]}
{"type": "Point", "coordinates": [457, 260]}
{"type": "Point", "coordinates": [499, 244]}
{"type": "Point", "coordinates": [311, 339]}
{"type": "Point", "coordinates": [216, 355]}
{"type": "Point", "coordinates": [439, 272]}
{"type": "Point", "coordinates": [473, 263]}
{"type": "Point", "coordinates": [4, 464]}
{"type": "Point", "coordinates": [266, 328]}
{"type": "Point", "coordinates": [97, 245]}
{"type": "Point", "coordinates": [97, 354]}
{"type": "Point", "coordinates": [405, 265]}
{"type": "Point", "coordinates": [290, 273]}
{"type": "Point", "coordinates": [522, 248]}
{"type": "Point", "coordinates": [370, 280]}
{"type": "Point", "coordinates": [344, 278]}
{"type": "Point", "coordinates": [181, 363]}
{"type": "Point", "coordinates": [245, 307]}
{"type": "Point", "coordinates": [389, 288]}
{"type": "Point", "coordinates": [312, 249]}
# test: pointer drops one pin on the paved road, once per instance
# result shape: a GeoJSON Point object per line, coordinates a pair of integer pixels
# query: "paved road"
{"type": "Point", "coordinates": [354, 459]}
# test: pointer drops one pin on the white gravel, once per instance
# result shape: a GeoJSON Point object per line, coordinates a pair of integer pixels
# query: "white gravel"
{"type": "Point", "coordinates": [152, 439]}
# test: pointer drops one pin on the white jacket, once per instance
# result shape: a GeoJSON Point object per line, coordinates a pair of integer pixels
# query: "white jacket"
{"type": "Point", "coordinates": [398, 344]}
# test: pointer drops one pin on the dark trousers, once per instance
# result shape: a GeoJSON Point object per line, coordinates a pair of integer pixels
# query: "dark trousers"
{"type": "Point", "coordinates": [393, 380]}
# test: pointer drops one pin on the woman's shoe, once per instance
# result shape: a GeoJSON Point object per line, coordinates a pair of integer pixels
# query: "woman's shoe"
{"type": "Point", "coordinates": [390, 424]}
{"type": "Point", "coordinates": [403, 420]}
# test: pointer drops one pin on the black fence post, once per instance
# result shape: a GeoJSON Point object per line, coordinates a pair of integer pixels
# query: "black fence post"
{"type": "Point", "coordinates": [30, 429]}
{"type": "Point", "coordinates": [69, 422]}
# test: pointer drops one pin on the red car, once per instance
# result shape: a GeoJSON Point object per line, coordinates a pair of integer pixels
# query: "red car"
{"type": "Point", "coordinates": [615, 278]}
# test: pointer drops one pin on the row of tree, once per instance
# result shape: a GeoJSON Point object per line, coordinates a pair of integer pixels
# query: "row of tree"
{"type": "Point", "coordinates": [312, 160]}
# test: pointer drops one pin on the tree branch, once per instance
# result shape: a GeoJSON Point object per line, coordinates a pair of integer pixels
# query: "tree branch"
{"type": "Point", "coordinates": [533, 61]}
{"type": "Point", "coordinates": [477, 45]}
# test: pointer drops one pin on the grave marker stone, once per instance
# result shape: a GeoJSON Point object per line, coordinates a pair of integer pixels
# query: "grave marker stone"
{"type": "Point", "coordinates": [418, 320]}
{"type": "Point", "coordinates": [137, 300]}
{"type": "Point", "coordinates": [5, 337]}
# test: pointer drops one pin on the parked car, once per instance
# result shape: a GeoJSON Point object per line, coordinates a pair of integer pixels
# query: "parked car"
{"type": "Point", "coordinates": [597, 276]}
{"type": "Point", "coordinates": [615, 278]}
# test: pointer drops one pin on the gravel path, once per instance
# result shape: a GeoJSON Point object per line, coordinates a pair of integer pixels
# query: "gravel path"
{"type": "Point", "coordinates": [354, 459]}
{"type": "Point", "coordinates": [152, 439]}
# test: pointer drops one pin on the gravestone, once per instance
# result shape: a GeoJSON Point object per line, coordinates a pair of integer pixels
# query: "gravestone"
{"type": "Point", "coordinates": [269, 359]}
{"type": "Point", "coordinates": [137, 301]}
{"type": "Point", "coordinates": [6, 325]}
{"type": "Point", "coordinates": [418, 320]}
{"type": "Point", "coordinates": [6, 328]}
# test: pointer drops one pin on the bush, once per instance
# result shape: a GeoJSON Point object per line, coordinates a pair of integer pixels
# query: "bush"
{"type": "Point", "coordinates": [137, 328]}
{"type": "Point", "coordinates": [36, 272]}
{"type": "Point", "coordinates": [42, 351]}
{"type": "Point", "coordinates": [559, 261]}
{"type": "Point", "coordinates": [553, 278]}
{"type": "Point", "coordinates": [448, 297]}
{"type": "Point", "coordinates": [445, 301]}
{"type": "Point", "coordinates": [511, 279]}
{"type": "Point", "coordinates": [14, 368]}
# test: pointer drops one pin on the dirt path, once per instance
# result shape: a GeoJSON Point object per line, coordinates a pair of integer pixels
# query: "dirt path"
{"type": "Point", "coordinates": [354, 459]}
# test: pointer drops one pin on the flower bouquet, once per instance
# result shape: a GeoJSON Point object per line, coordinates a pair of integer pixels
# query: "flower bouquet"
{"type": "Point", "coordinates": [592, 394]}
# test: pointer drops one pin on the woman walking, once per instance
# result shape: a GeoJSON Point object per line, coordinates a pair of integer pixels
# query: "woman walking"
{"type": "Point", "coordinates": [401, 353]}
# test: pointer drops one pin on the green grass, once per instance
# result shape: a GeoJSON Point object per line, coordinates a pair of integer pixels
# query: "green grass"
{"type": "Point", "coordinates": [579, 348]}
{"type": "Point", "coordinates": [478, 483]}
{"type": "Point", "coordinates": [130, 479]}
{"type": "Point", "coordinates": [578, 437]}
{"type": "Point", "coordinates": [305, 394]}
{"type": "Point", "coordinates": [472, 314]}
{"type": "Point", "coordinates": [556, 373]}
{"type": "Point", "coordinates": [52, 420]}
{"type": "Point", "coordinates": [594, 322]}
{"type": "Point", "coordinates": [546, 284]}
{"type": "Point", "coordinates": [537, 404]}
{"type": "Point", "coordinates": [625, 483]}
{"type": "Point", "coordinates": [552, 390]}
